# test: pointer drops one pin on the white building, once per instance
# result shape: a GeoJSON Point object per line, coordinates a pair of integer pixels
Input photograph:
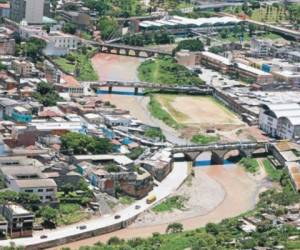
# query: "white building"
{"type": "Point", "coordinates": [59, 43]}
{"type": "Point", "coordinates": [29, 179]}
{"type": "Point", "coordinates": [280, 120]}
{"type": "Point", "coordinates": [260, 48]}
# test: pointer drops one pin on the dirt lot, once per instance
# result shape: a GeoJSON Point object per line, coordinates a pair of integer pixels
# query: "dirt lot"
{"type": "Point", "coordinates": [197, 110]}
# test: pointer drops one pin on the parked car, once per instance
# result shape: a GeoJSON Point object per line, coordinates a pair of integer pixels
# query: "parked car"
{"type": "Point", "coordinates": [150, 199]}
{"type": "Point", "coordinates": [44, 237]}
{"type": "Point", "coordinates": [117, 216]}
{"type": "Point", "coordinates": [82, 227]}
{"type": "Point", "coordinates": [137, 207]}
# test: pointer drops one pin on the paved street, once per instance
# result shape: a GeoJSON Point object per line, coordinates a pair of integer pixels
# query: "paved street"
{"type": "Point", "coordinates": [166, 187]}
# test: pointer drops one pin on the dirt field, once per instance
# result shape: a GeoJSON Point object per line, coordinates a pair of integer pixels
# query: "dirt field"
{"type": "Point", "coordinates": [197, 110]}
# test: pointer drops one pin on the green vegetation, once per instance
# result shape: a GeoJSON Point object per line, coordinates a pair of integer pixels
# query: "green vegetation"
{"type": "Point", "coordinates": [158, 112]}
{"type": "Point", "coordinates": [78, 63]}
{"type": "Point", "coordinates": [122, 8]}
{"type": "Point", "coordinates": [205, 139]}
{"type": "Point", "coordinates": [76, 143]}
{"type": "Point", "coordinates": [166, 70]}
{"type": "Point", "coordinates": [126, 200]}
{"type": "Point", "coordinates": [32, 48]}
{"type": "Point", "coordinates": [109, 27]}
{"type": "Point", "coordinates": [250, 164]}
{"type": "Point", "coordinates": [46, 94]}
{"type": "Point", "coordinates": [175, 202]}
{"type": "Point", "coordinates": [135, 153]}
{"type": "Point", "coordinates": [69, 28]}
{"type": "Point", "coordinates": [70, 213]}
{"type": "Point", "coordinates": [273, 173]}
{"type": "Point", "coordinates": [159, 37]}
{"type": "Point", "coordinates": [171, 4]}
{"type": "Point", "coordinates": [190, 44]}
{"type": "Point", "coordinates": [155, 133]}
{"type": "Point", "coordinates": [112, 168]}
{"type": "Point", "coordinates": [28, 200]}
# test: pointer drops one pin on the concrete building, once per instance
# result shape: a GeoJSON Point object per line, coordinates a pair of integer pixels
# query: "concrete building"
{"type": "Point", "coordinates": [287, 76]}
{"type": "Point", "coordinates": [228, 66]}
{"type": "Point", "coordinates": [22, 67]}
{"type": "Point", "coordinates": [280, 120]}
{"type": "Point", "coordinates": [5, 10]}
{"type": "Point", "coordinates": [81, 19]}
{"type": "Point", "coordinates": [260, 48]}
{"type": "Point", "coordinates": [29, 179]}
{"type": "Point", "coordinates": [30, 11]}
{"type": "Point", "coordinates": [20, 221]}
{"type": "Point", "coordinates": [59, 43]}
{"type": "Point", "coordinates": [7, 45]}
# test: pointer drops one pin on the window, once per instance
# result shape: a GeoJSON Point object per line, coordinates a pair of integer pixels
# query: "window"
{"type": "Point", "coordinates": [49, 189]}
{"type": "Point", "coordinates": [40, 190]}
{"type": "Point", "coordinates": [28, 191]}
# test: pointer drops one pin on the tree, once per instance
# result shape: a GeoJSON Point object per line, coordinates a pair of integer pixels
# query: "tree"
{"type": "Point", "coordinates": [114, 241]}
{"type": "Point", "coordinates": [190, 44]}
{"type": "Point", "coordinates": [33, 47]}
{"type": "Point", "coordinates": [46, 94]}
{"type": "Point", "coordinates": [49, 215]}
{"type": "Point", "coordinates": [212, 228]}
{"type": "Point", "coordinates": [108, 27]}
{"type": "Point", "coordinates": [77, 143]}
{"type": "Point", "coordinates": [174, 228]}
{"type": "Point", "coordinates": [69, 28]}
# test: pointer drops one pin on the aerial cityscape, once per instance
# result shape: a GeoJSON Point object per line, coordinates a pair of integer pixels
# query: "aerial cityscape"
{"type": "Point", "coordinates": [149, 124]}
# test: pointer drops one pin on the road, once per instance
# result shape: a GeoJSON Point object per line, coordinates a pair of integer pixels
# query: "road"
{"type": "Point", "coordinates": [165, 188]}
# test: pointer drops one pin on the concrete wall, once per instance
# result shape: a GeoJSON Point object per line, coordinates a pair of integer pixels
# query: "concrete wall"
{"type": "Point", "coordinates": [80, 236]}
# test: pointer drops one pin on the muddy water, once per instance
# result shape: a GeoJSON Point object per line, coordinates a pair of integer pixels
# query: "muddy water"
{"type": "Point", "coordinates": [115, 67]}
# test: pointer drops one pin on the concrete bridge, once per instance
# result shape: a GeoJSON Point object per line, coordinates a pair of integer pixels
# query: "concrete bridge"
{"type": "Point", "coordinates": [219, 150]}
{"type": "Point", "coordinates": [201, 89]}
{"type": "Point", "coordinates": [125, 50]}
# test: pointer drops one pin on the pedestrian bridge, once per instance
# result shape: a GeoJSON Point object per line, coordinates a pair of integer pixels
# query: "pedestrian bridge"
{"type": "Point", "coordinates": [219, 150]}
{"type": "Point", "coordinates": [188, 89]}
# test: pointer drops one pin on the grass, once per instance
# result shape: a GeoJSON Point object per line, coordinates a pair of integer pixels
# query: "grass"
{"type": "Point", "coordinates": [158, 112]}
{"type": "Point", "coordinates": [273, 173]}
{"type": "Point", "coordinates": [87, 72]}
{"type": "Point", "coordinates": [175, 202]}
{"type": "Point", "coordinates": [126, 200]}
{"type": "Point", "coordinates": [166, 70]}
{"type": "Point", "coordinates": [250, 164]}
{"type": "Point", "coordinates": [70, 213]}
{"type": "Point", "coordinates": [167, 100]}
{"type": "Point", "coordinates": [274, 15]}
{"type": "Point", "coordinates": [205, 139]}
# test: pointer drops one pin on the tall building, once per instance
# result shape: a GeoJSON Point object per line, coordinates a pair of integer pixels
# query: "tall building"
{"type": "Point", "coordinates": [29, 10]}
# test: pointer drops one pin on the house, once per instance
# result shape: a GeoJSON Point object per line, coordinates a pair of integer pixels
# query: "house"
{"type": "Point", "coordinates": [59, 44]}
{"type": "Point", "coordinates": [3, 226]}
{"type": "Point", "coordinates": [22, 68]}
{"type": "Point", "coordinates": [280, 120]}
{"type": "Point", "coordinates": [19, 220]}
{"type": "Point", "coordinates": [29, 179]}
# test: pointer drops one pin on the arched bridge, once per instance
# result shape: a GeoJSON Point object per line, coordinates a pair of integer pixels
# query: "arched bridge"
{"type": "Point", "coordinates": [201, 89]}
{"type": "Point", "coordinates": [219, 150]}
{"type": "Point", "coordinates": [126, 50]}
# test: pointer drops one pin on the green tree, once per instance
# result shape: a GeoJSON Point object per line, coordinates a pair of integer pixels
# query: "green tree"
{"type": "Point", "coordinates": [46, 94]}
{"type": "Point", "coordinates": [33, 47]}
{"type": "Point", "coordinates": [190, 44]}
{"type": "Point", "coordinates": [174, 228]}
{"type": "Point", "coordinates": [49, 215]}
{"type": "Point", "coordinates": [69, 28]}
{"type": "Point", "coordinates": [108, 27]}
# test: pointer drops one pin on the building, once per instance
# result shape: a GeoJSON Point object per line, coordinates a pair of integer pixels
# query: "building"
{"type": "Point", "coordinates": [22, 67]}
{"type": "Point", "coordinates": [280, 120]}
{"type": "Point", "coordinates": [260, 48]}
{"type": "Point", "coordinates": [19, 220]}
{"type": "Point", "coordinates": [30, 11]}
{"type": "Point", "coordinates": [287, 76]}
{"type": "Point", "coordinates": [81, 19]}
{"type": "Point", "coordinates": [29, 179]}
{"type": "Point", "coordinates": [58, 43]}
{"type": "Point", "coordinates": [4, 10]}
{"type": "Point", "coordinates": [21, 114]}
{"type": "Point", "coordinates": [3, 227]}
{"type": "Point", "coordinates": [228, 66]}
{"type": "Point", "coordinates": [7, 45]}
{"type": "Point", "coordinates": [293, 56]}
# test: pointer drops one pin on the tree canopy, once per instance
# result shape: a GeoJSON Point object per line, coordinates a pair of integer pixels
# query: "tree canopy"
{"type": "Point", "coordinates": [46, 94]}
{"type": "Point", "coordinates": [77, 143]}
